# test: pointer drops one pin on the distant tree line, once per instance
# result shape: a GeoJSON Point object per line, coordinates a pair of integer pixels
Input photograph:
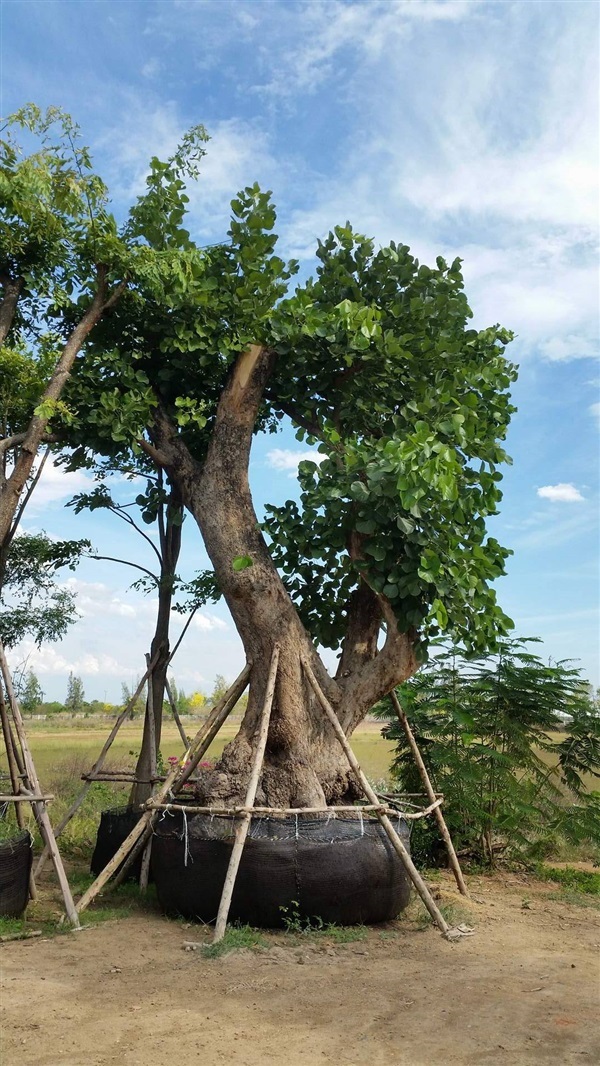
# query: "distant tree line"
{"type": "Point", "coordinates": [31, 697]}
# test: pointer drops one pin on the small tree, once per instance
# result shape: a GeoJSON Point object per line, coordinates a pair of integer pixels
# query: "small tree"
{"type": "Point", "coordinates": [219, 689]}
{"type": "Point", "coordinates": [31, 694]}
{"type": "Point", "coordinates": [487, 731]}
{"type": "Point", "coordinates": [75, 700]}
{"type": "Point", "coordinates": [139, 706]}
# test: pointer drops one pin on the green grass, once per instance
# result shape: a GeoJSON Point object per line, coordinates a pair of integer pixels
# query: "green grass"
{"type": "Point", "coordinates": [576, 881]}
{"type": "Point", "coordinates": [236, 937]}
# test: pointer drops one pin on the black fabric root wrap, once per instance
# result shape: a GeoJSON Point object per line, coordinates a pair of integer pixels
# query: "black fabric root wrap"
{"type": "Point", "coordinates": [328, 869]}
{"type": "Point", "coordinates": [115, 826]}
{"type": "Point", "coordinates": [15, 866]}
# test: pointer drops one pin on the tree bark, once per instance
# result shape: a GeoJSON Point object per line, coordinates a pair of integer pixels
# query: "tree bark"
{"type": "Point", "coordinates": [170, 548]}
{"type": "Point", "coordinates": [303, 765]}
{"type": "Point", "coordinates": [8, 304]}
{"type": "Point", "coordinates": [12, 486]}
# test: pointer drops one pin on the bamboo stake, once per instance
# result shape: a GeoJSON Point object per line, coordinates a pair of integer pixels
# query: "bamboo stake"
{"type": "Point", "coordinates": [97, 766]}
{"type": "Point", "coordinates": [175, 712]}
{"type": "Point", "coordinates": [38, 807]}
{"type": "Point", "coordinates": [145, 869]}
{"type": "Point", "coordinates": [15, 779]}
{"type": "Point", "coordinates": [150, 717]}
{"type": "Point", "coordinates": [201, 742]}
{"type": "Point", "coordinates": [242, 827]}
{"type": "Point", "coordinates": [394, 839]}
{"type": "Point", "coordinates": [414, 747]}
{"type": "Point", "coordinates": [133, 854]}
{"type": "Point", "coordinates": [27, 797]}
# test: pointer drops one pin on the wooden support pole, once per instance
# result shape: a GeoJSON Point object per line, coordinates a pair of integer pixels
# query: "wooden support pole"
{"type": "Point", "coordinates": [178, 776]}
{"type": "Point", "coordinates": [151, 719]}
{"type": "Point", "coordinates": [15, 778]}
{"type": "Point", "coordinates": [27, 797]}
{"type": "Point", "coordinates": [97, 765]}
{"type": "Point", "coordinates": [145, 869]}
{"type": "Point", "coordinates": [241, 831]}
{"type": "Point", "coordinates": [133, 854]}
{"type": "Point", "coordinates": [414, 747]}
{"type": "Point", "coordinates": [175, 712]}
{"type": "Point", "coordinates": [394, 839]}
{"type": "Point", "coordinates": [38, 807]}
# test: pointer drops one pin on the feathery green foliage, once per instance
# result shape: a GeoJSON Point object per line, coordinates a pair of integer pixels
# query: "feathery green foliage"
{"type": "Point", "coordinates": [483, 725]}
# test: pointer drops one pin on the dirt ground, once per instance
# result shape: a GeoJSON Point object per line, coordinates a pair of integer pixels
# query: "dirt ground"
{"type": "Point", "coordinates": [524, 989]}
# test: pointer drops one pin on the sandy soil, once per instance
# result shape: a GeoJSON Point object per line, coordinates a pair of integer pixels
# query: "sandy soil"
{"type": "Point", "coordinates": [524, 989]}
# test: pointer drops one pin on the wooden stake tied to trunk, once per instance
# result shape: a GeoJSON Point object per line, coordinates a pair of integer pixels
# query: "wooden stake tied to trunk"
{"type": "Point", "coordinates": [36, 796]}
{"type": "Point", "coordinates": [241, 831]}
{"type": "Point", "coordinates": [98, 764]}
{"type": "Point", "coordinates": [414, 747]}
{"type": "Point", "coordinates": [173, 783]}
{"type": "Point", "coordinates": [393, 837]}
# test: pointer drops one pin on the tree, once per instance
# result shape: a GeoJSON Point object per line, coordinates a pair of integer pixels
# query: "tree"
{"type": "Point", "coordinates": [61, 270]}
{"type": "Point", "coordinates": [126, 695]}
{"type": "Point", "coordinates": [374, 363]}
{"type": "Point", "coordinates": [486, 728]}
{"type": "Point", "coordinates": [30, 695]}
{"type": "Point", "coordinates": [75, 700]}
{"type": "Point", "coordinates": [161, 506]}
{"type": "Point", "coordinates": [219, 689]}
{"type": "Point", "coordinates": [33, 603]}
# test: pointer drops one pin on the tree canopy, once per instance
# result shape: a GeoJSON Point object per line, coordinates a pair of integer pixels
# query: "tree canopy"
{"type": "Point", "coordinates": [375, 363]}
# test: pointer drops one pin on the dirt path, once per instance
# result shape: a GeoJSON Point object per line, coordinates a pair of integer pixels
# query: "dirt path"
{"type": "Point", "coordinates": [524, 989]}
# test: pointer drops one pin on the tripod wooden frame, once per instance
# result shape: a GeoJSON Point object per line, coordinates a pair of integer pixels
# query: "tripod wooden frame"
{"type": "Point", "coordinates": [26, 786]}
{"type": "Point", "coordinates": [140, 837]}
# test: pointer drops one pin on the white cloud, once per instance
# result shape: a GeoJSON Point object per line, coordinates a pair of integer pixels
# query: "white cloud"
{"type": "Point", "coordinates": [561, 493]}
{"type": "Point", "coordinates": [321, 33]}
{"type": "Point", "coordinates": [55, 486]}
{"type": "Point", "coordinates": [286, 459]}
{"type": "Point", "coordinates": [595, 411]}
{"type": "Point", "coordinates": [206, 622]}
{"type": "Point", "coordinates": [49, 660]}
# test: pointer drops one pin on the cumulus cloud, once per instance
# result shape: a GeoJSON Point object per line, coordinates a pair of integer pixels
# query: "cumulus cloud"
{"type": "Point", "coordinates": [595, 411]}
{"type": "Point", "coordinates": [286, 459]}
{"type": "Point", "coordinates": [564, 492]}
{"type": "Point", "coordinates": [50, 660]}
{"type": "Point", "coordinates": [55, 486]}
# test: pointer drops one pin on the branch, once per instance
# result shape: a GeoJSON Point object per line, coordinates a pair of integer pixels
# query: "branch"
{"type": "Point", "coordinates": [394, 663]}
{"type": "Point", "coordinates": [26, 498]}
{"type": "Point", "coordinates": [125, 562]}
{"type": "Point", "coordinates": [13, 486]}
{"type": "Point", "coordinates": [17, 438]}
{"type": "Point", "coordinates": [157, 456]}
{"type": "Point", "coordinates": [182, 634]}
{"type": "Point", "coordinates": [127, 518]}
{"type": "Point", "coordinates": [8, 305]}
{"type": "Point", "coordinates": [11, 442]}
{"type": "Point", "coordinates": [314, 429]}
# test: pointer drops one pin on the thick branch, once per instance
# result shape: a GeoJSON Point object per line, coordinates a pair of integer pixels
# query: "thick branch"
{"type": "Point", "coordinates": [390, 667]}
{"type": "Point", "coordinates": [12, 488]}
{"type": "Point", "coordinates": [8, 304]}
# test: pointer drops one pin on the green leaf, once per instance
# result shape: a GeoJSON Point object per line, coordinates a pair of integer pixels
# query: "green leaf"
{"type": "Point", "coordinates": [241, 562]}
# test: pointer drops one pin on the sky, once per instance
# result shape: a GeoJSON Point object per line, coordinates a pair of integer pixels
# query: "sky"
{"type": "Point", "coordinates": [458, 128]}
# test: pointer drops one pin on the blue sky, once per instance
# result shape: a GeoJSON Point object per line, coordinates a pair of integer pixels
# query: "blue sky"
{"type": "Point", "coordinates": [459, 128]}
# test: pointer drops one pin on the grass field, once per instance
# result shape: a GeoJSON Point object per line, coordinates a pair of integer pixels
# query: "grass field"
{"type": "Point", "coordinates": [54, 746]}
{"type": "Point", "coordinates": [63, 751]}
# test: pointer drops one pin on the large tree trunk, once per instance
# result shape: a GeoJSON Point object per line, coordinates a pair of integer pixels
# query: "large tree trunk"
{"type": "Point", "coordinates": [304, 764]}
